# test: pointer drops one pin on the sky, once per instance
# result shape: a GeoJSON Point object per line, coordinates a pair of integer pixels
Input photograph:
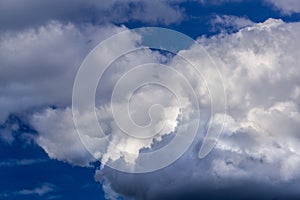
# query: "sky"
{"type": "Point", "coordinates": [243, 103]}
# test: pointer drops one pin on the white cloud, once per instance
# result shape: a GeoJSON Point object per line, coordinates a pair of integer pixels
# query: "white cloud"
{"type": "Point", "coordinates": [58, 137]}
{"type": "Point", "coordinates": [40, 191]}
{"type": "Point", "coordinates": [56, 127]}
{"type": "Point", "coordinates": [260, 143]}
{"type": "Point", "coordinates": [225, 23]}
{"type": "Point", "coordinates": [287, 6]}
{"type": "Point", "coordinates": [22, 162]}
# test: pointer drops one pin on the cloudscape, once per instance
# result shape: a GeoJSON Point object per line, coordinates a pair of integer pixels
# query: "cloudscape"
{"type": "Point", "coordinates": [154, 100]}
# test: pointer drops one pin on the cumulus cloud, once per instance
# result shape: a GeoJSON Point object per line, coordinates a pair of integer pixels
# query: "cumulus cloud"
{"type": "Point", "coordinates": [258, 150]}
{"type": "Point", "coordinates": [56, 126]}
{"type": "Point", "coordinates": [260, 141]}
{"type": "Point", "coordinates": [58, 137]}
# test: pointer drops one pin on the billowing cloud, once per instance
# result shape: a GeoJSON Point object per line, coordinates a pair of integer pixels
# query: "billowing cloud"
{"type": "Point", "coordinates": [259, 145]}
{"type": "Point", "coordinates": [260, 142]}
{"type": "Point", "coordinates": [56, 126]}
{"type": "Point", "coordinates": [58, 137]}
{"type": "Point", "coordinates": [257, 155]}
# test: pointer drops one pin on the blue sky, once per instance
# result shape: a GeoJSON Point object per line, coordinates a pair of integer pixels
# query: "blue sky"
{"type": "Point", "coordinates": [25, 166]}
{"type": "Point", "coordinates": [198, 16]}
{"type": "Point", "coordinates": [29, 169]}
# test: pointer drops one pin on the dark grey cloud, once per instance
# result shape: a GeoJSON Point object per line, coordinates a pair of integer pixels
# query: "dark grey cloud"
{"type": "Point", "coordinates": [15, 14]}
{"type": "Point", "coordinates": [38, 65]}
{"type": "Point", "coordinates": [190, 179]}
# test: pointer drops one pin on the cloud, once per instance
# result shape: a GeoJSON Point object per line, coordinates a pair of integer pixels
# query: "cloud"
{"type": "Point", "coordinates": [15, 129]}
{"type": "Point", "coordinates": [6, 136]}
{"type": "Point", "coordinates": [217, 2]}
{"type": "Point", "coordinates": [13, 162]}
{"type": "Point", "coordinates": [56, 126]}
{"type": "Point", "coordinates": [286, 7]}
{"type": "Point", "coordinates": [227, 23]}
{"type": "Point", "coordinates": [40, 191]}
{"type": "Point", "coordinates": [35, 13]}
{"type": "Point", "coordinates": [257, 155]}
{"type": "Point", "coordinates": [58, 137]}
{"type": "Point", "coordinates": [260, 142]}
{"type": "Point", "coordinates": [38, 65]}
{"type": "Point", "coordinates": [258, 151]}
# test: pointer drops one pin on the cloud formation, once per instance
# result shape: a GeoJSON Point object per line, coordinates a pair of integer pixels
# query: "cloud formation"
{"type": "Point", "coordinates": [35, 13]}
{"type": "Point", "coordinates": [258, 150]}
{"type": "Point", "coordinates": [259, 144]}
